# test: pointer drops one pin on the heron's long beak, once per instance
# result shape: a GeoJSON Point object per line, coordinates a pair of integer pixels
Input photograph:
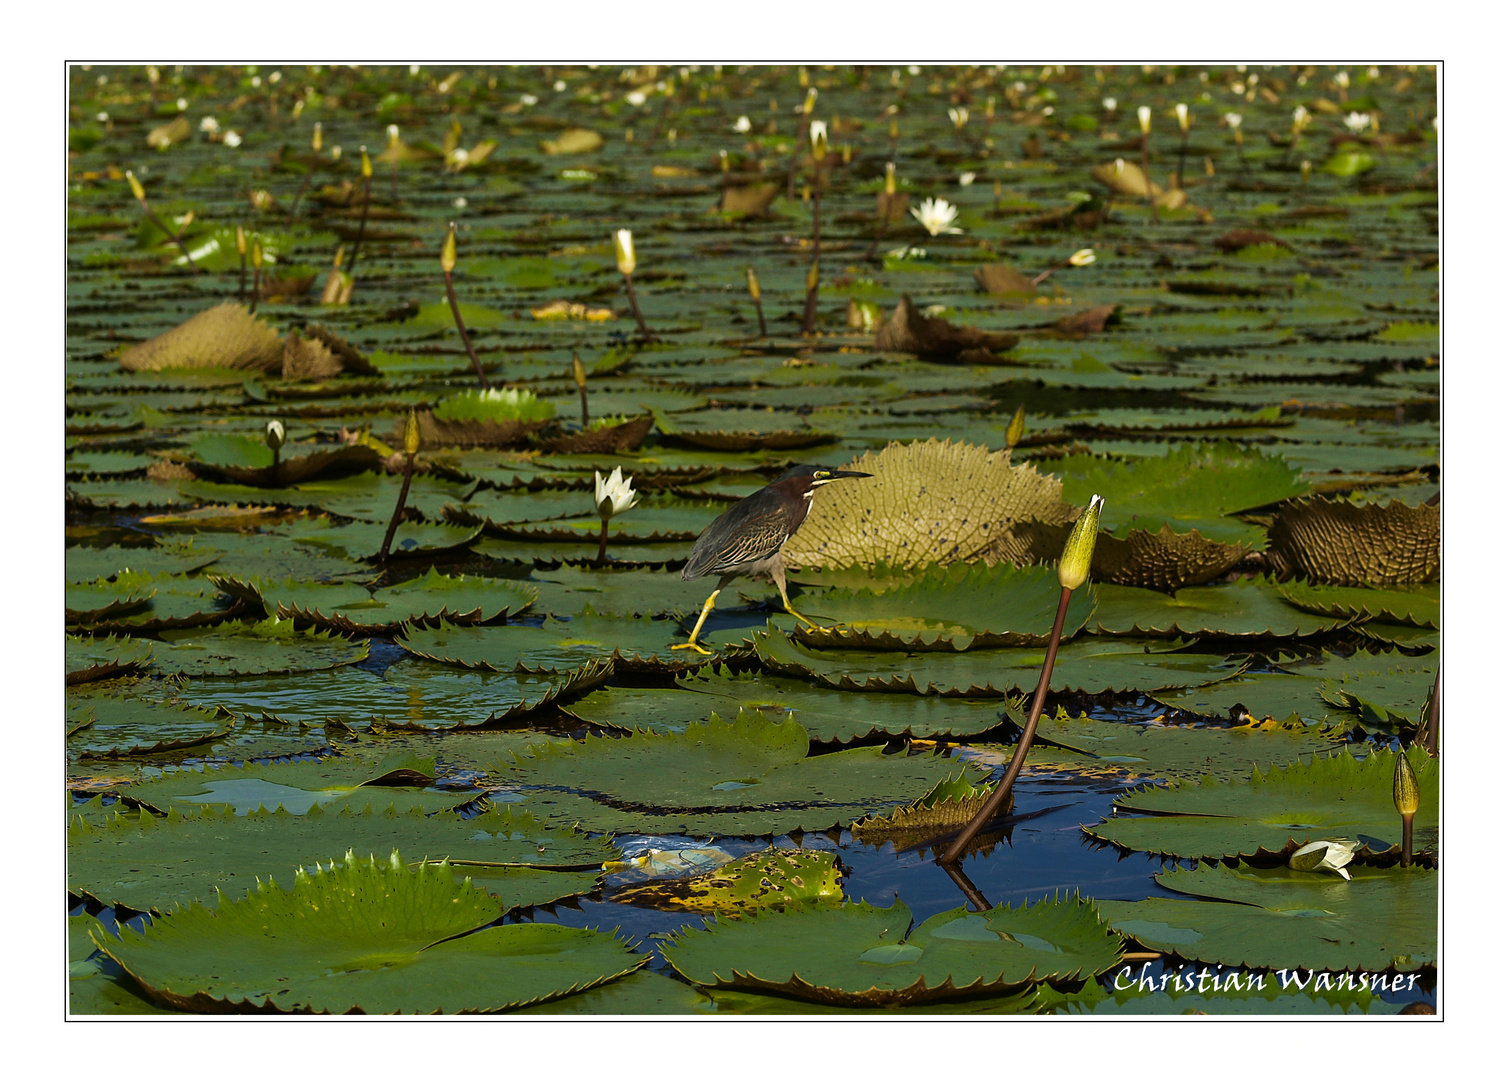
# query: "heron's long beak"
{"type": "Point", "coordinates": [838, 474]}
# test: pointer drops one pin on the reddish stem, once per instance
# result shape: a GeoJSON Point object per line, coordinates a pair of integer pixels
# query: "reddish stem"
{"type": "Point", "coordinates": [449, 288]}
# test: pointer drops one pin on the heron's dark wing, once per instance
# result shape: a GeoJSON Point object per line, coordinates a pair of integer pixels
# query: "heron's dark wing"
{"type": "Point", "coordinates": [751, 546]}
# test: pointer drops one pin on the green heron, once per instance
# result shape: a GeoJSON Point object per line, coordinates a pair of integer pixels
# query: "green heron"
{"type": "Point", "coordinates": [749, 538]}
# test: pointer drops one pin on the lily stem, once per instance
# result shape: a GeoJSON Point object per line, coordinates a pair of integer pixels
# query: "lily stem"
{"type": "Point", "coordinates": [361, 232]}
{"type": "Point", "coordinates": [449, 288]}
{"type": "Point", "coordinates": [808, 323]}
{"type": "Point", "coordinates": [601, 551]}
{"type": "Point", "coordinates": [633, 300]}
{"type": "Point", "coordinates": [1150, 193]}
{"type": "Point", "coordinates": [397, 512]}
{"type": "Point", "coordinates": [1006, 785]}
{"type": "Point", "coordinates": [1406, 839]}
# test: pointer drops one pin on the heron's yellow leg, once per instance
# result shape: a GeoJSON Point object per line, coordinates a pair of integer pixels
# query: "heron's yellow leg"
{"type": "Point", "coordinates": [705, 610]}
{"type": "Point", "coordinates": [779, 580]}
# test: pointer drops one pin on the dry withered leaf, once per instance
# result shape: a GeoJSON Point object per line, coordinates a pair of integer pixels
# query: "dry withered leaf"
{"type": "Point", "coordinates": [224, 336]}
{"type": "Point", "coordinates": [935, 339]}
{"type": "Point", "coordinates": [326, 464]}
{"type": "Point", "coordinates": [1000, 278]}
{"type": "Point", "coordinates": [608, 440]}
{"type": "Point", "coordinates": [164, 135]}
{"type": "Point", "coordinates": [278, 288]}
{"type": "Point", "coordinates": [573, 141]}
{"type": "Point", "coordinates": [1091, 321]}
{"type": "Point", "coordinates": [1125, 178]}
{"type": "Point", "coordinates": [748, 199]}
{"type": "Point", "coordinates": [1238, 239]}
{"type": "Point", "coordinates": [434, 433]}
{"type": "Point", "coordinates": [1335, 542]}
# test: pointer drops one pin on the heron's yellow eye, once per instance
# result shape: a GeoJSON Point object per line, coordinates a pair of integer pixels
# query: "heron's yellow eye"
{"type": "Point", "coordinates": [822, 475]}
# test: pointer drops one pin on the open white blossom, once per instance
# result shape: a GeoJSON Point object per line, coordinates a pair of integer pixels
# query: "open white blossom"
{"type": "Point", "coordinates": [936, 216]}
{"type": "Point", "coordinates": [743, 125]}
{"type": "Point", "coordinates": [614, 495]}
{"type": "Point", "coordinates": [232, 139]}
{"type": "Point", "coordinates": [1085, 257]}
{"type": "Point", "coordinates": [528, 99]}
{"type": "Point", "coordinates": [967, 178]}
{"type": "Point", "coordinates": [959, 117]}
{"type": "Point", "coordinates": [1357, 122]}
{"type": "Point", "coordinates": [1110, 104]}
{"type": "Point", "coordinates": [1233, 119]}
{"type": "Point", "coordinates": [209, 125]}
{"type": "Point", "coordinates": [636, 98]}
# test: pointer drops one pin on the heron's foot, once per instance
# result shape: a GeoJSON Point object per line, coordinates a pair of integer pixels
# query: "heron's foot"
{"type": "Point", "coordinates": [802, 618]}
{"type": "Point", "coordinates": [693, 645]}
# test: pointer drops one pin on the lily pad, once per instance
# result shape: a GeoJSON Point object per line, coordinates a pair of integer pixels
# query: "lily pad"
{"type": "Point", "coordinates": [273, 646]}
{"type": "Point", "coordinates": [364, 937]}
{"type": "Point", "coordinates": [424, 600]}
{"type": "Point", "coordinates": [861, 955]}
{"type": "Point", "coordinates": [1287, 919]}
{"type": "Point", "coordinates": [779, 877]}
{"type": "Point", "coordinates": [1335, 542]}
{"type": "Point", "coordinates": [1273, 814]}
{"type": "Point", "coordinates": [86, 659]}
{"type": "Point", "coordinates": [1414, 606]}
{"type": "Point", "coordinates": [1249, 608]}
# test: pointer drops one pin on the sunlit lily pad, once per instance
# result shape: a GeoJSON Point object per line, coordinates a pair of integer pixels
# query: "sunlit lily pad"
{"type": "Point", "coordinates": [1415, 606]}
{"type": "Point", "coordinates": [273, 646]}
{"type": "Point", "coordinates": [424, 600]}
{"type": "Point", "coordinates": [1247, 608]}
{"type": "Point", "coordinates": [367, 937]}
{"type": "Point", "coordinates": [778, 877]}
{"type": "Point", "coordinates": [87, 659]}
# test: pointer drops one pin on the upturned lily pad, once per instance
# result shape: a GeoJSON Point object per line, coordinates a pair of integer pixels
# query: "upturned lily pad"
{"type": "Point", "coordinates": [907, 330]}
{"type": "Point", "coordinates": [1287, 919]}
{"type": "Point", "coordinates": [86, 659]}
{"type": "Point", "coordinates": [1335, 542]}
{"type": "Point", "coordinates": [224, 336]}
{"type": "Point", "coordinates": [775, 878]}
{"type": "Point", "coordinates": [1193, 486]}
{"type": "Point", "coordinates": [1275, 813]}
{"type": "Point", "coordinates": [152, 864]}
{"type": "Point", "coordinates": [631, 643]}
{"type": "Point", "coordinates": [925, 502]}
{"type": "Point", "coordinates": [948, 608]}
{"type": "Point", "coordinates": [272, 646]}
{"type": "Point", "coordinates": [1245, 609]}
{"type": "Point", "coordinates": [146, 603]}
{"type": "Point", "coordinates": [93, 991]}
{"type": "Point", "coordinates": [364, 937]}
{"type": "Point", "coordinates": [424, 600]}
{"type": "Point", "coordinates": [861, 955]}
{"type": "Point", "coordinates": [1164, 560]}
{"type": "Point", "coordinates": [1092, 665]}
{"type": "Point", "coordinates": [1414, 606]}
{"type": "Point", "coordinates": [827, 715]}
{"type": "Point", "coordinates": [717, 767]}
{"type": "Point", "coordinates": [1166, 750]}
{"type": "Point", "coordinates": [108, 720]}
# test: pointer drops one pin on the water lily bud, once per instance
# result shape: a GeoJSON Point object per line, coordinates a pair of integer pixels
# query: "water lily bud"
{"type": "Point", "coordinates": [240, 240]}
{"type": "Point", "coordinates": [1307, 170]}
{"type": "Point", "coordinates": [726, 161]}
{"type": "Point", "coordinates": [614, 495]}
{"type": "Point", "coordinates": [805, 78]}
{"type": "Point", "coordinates": [186, 220]}
{"type": "Point", "coordinates": [318, 136]}
{"type": "Point", "coordinates": [256, 255]}
{"type": "Point", "coordinates": [818, 140]}
{"type": "Point", "coordinates": [578, 369]}
{"type": "Point", "coordinates": [812, 276]}
{"type": "Point", "coordinates": [447, 252]}
{"type": "Point", "coordinates": [753, 289]}
{"type": "Point", "coordinates": [959, 117]}
{"type": "Point", "coordinates": [1077, 556]}
{"type": "Point", "coordinates": [810, 100]}
{"type": "Point", "coordinates": [1300, 116]}
{"type": "Point", "coordinates": [410, 434]}
{"type": "Point", "coordinates": [988, 109]}
{"type": "Point", "coordinates": [1144, 113]}
{"type": "Point", "coordinates": [1184, 121]}
{"type": "Point", "coordinates": [890, 187]}
{"type": "Point", "coordinates": [1016, 430]}
{"type": "Point", "coordinates": [1324, 855]}
{"type": "Point", "coordinates": [365, 164]}
{"type": "Point", "coordinates": [136, 188]}
{"type": "Point", "coordinates": [1085, 257]}
{"type": "Point", "coordinates": [622, 240]}
{"type": "Point", "coordinates": [392, 134]}
{"type": "Point", "coordinates": [893, 130]}
{"type": "Point", "coordinates": [275, 435]}
{"type": "Point", "coordinates": [1404, 787]}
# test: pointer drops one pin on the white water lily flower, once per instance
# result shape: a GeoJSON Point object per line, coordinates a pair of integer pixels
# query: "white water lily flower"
{"type": "Point", "coordinates": [1233, 119]}
{"type": "Point", "coordinates": [1110, 104]}
{"type": "Point", "coordinates": [1357, 122]}
{"type": "Point", "coordinates": [460, 202]}
{"type": "Point", "coordinates": [392, 134]}
{"type": "Point", "coordinates": [636, 98]}
{"type": "Point", "coordinates": [209, 125]}
{"type": "Point", "coordinates": [1143, 112]}
{"type": "Point", "coordinates": [622, 242]}
{"type": "Point", "coordinates": [1325, 855]}
{"type": "Point", "coordinates": [559, 86]}
{"type": "Point", "coordinates": [614, 495]}
{"type": "Point", "coordinates": [232, 139]}
{"type": "Point", "coordinates": [1299, 117]}
{"type": "Point", "coordinates": [936, 216]}
{"type": "Point", "coordinates": [743, 125]}
{"type": "Point", "coordinates": [275, 435]}
{"type": "Point", "coordinates": [959, 117]}
{"type": "Point", "coordinates": [967, 178]}
{"type": "Point", "coordinates": [1085, 257]}
{"type": "Point", "coordinates": [527, 99]}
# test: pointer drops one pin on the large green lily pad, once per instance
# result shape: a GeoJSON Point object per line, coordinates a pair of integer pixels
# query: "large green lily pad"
{"type": "Point", "coordinates": [1287, 919]}
{"type": "Point", "coordinates": [152, 864]}
{"type": "Point", "coordinates": [1247, 608]}
{"type": "Point", "coordinates": [1276, 812]}
{"type": "Point", "coordinates": [779, 877]}
{"type": "Point", "coordinates": [271, 647]}
{"type": "Point", "coordinates": [861, 955]}
{"type": "Point", "coordinates": [424, 600]}
{"type": "Point", "coordinates": [110, 720]}
{"type": "Point", "coordinates": [364, 937]}
{"type": "Point", "coordinates": [1417, 605]}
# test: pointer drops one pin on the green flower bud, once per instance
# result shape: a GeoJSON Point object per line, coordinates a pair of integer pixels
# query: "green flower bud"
{"type": "Point", "coordinates": [410, 434]}
{"type": "Point", "coordinates": [1077, 556]}
{"type": "Point", "coordinates": [1404, 786]}
{"type": "Point", "coordinates": [1016, 429]}
{"type": "Point", "coordinates": [447, 252]}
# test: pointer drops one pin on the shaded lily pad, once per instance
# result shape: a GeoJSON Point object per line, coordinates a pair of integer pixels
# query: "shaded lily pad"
{"type": "Point", "coordinates": [111, 721]}
{"type": "Point", "coordinates": [424, 600]}
{"type": "Point", "coordinates": [1335, 542]}
{"type": "Point", "coordinates": [364, 937]}
{"type": "Point", "coordinates": [1275, 813]}
{"type": "Point", "coordinates": [1415, 606]}
{"type": "Point", "coordinates": [861, 955]}
{"type": "Point", "coordinates": [1288, 919]}
{"type": "Point", "coordinates": [87, 659]}
{"type": "Point", "coordinates": [272, 646]}
{"type": "Point", "coordinates": [1091, 665]}
{"type": "Point", "coordinates": [148, 603]}
{"type": "Point", "coordinates": [1246, 608]}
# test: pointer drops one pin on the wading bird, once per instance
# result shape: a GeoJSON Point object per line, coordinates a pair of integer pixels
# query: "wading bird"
{"type": "Point", "coordinates": [749, 538]}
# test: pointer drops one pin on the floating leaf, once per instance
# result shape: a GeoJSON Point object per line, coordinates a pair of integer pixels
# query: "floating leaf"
{"type": "Point", "coordinates": [1416, 606]}
{"type": "Point", "coordinates": [224, 336]}
{"type": "Point", "coordinates": [1335, 542]}
{"type": "Point", "coordinates": [1164, 560]}
{"type": "Point", "coordinates": [775, 878]}
{"type": "Point", "coordinates": [273, 646]}
{"type": "Point", "coordinates": [87, 659]}
{"type": "Point", "coordinates": [364, 937]}
{"type": "Point", "coordinates": [1246, 608]}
